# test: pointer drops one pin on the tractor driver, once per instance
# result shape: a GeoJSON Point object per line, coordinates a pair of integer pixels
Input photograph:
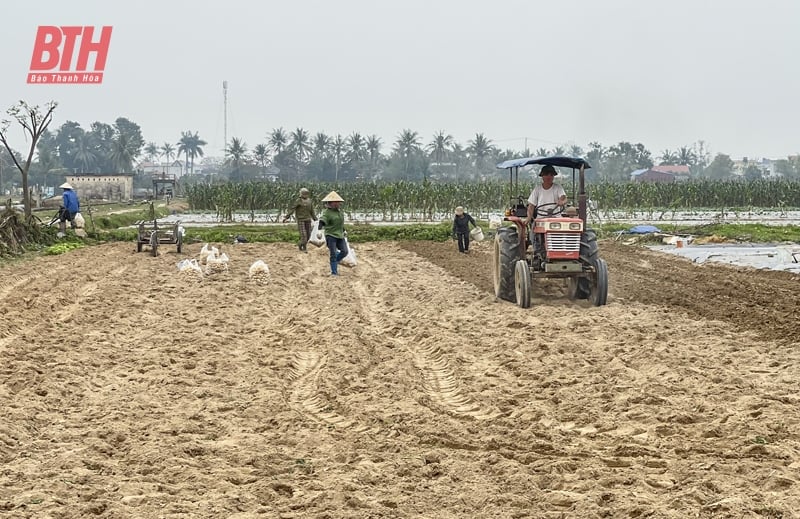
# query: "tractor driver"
{"type": "Point", "coordinates": [548, 196]}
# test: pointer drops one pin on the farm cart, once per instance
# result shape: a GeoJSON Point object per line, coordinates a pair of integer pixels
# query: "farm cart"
{"type": "Point", "coordinates": [555, 244]}
{"type": "Point", "coordinates": [151, 235]}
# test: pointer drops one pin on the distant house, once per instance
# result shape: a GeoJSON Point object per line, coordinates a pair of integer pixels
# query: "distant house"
{"type": "Point", "coordinates": [765, 166]}
{"type": "Point", "coordinates": [107, 187]}
{"type": "Point", "coordinates": [661, 174]}
{"type": "Point", "coordinates": [680, 172]}
{"type": "Point", "coordinates": [174, 168]}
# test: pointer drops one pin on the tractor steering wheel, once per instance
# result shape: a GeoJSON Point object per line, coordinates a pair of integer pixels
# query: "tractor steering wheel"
{"type": "Point", "coordinates": [552, 211]}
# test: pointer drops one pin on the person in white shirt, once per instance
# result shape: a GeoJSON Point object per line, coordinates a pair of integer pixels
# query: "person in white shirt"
{"type": "Point", "coordinates": [548, 197]}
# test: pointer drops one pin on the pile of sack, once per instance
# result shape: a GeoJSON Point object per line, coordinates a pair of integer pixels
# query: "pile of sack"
{"type": "Point", "coordinates": [189, 269]}
{"type": "Point", "coordinates": [259, 272]}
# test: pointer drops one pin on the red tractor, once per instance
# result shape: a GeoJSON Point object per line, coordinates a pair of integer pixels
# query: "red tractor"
{"type": "Point", "coordinates": [557, 245]}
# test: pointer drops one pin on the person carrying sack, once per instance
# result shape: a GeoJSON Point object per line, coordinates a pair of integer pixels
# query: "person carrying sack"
{"type": "Point", "coordinates": [461, 228]}
{"type": "Point", "coordinates": [303, 210]}
{"type": "Point", "coordinates": [69, 207]}
{"type": "Point", "coordinates": [332, 220]}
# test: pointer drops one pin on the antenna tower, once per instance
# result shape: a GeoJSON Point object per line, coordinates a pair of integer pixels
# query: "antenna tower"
{"type": "Point", "coordinates": [225, 108]}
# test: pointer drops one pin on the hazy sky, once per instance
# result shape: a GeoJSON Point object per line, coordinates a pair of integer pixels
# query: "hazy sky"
{"type": "Point", "coordinates": [664, 73]}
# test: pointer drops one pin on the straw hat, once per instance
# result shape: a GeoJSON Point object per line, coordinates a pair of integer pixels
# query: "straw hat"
{"type": "Point", "coordinates": [66, 185]}
{"type": "Point", "coordinates": [459, 210]}
{"type": "Point", "coordinates": [333, 196]}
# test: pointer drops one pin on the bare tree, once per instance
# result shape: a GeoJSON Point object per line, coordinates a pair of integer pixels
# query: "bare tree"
{"type": "Point", "coordinates": [34, 122]}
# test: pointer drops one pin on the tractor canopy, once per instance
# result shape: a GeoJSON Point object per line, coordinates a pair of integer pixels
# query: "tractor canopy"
{"type": "Point", "coordinates": [562, 161]}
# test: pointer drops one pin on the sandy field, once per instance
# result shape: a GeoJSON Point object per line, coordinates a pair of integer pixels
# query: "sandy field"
{"type": "Point", "coordinates": [401, 389]}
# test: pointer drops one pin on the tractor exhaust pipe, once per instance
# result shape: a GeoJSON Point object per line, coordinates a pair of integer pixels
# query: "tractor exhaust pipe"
{"type": "Point", "coordinates": [582, 198]}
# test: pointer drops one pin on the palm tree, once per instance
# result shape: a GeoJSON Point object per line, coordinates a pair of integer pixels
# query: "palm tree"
{"type": "Point", "coordinates": [261, 154]}
{"type": "Point", "coordinates": [185, 147]}
{"type": "Point", "coordinates": [167, 151]}
{"type": "Point", "coordinates": [686, 156]}
{"type": "Point", "coordinates": [541, 152]}
{"type": "Point", "coordinates": [85, 154]}
{"type": "Point", "coordinates": [439, 145]}
{"type": "Point", "coordinates": [479, 148]}
{"type": "Point", "coordinates": [300, 144]}
{"type": "Point", "coordinates": [356, 147]}
{"type": "Point", "coordinates": [277, 140]}
{"type": "Point", "coordinates": [321, 143]}
{"type": "Point", "coordinates": [576, 151]}
{"type": "Point", "coordinates": [195, 149]}
{"type": "Point", "coordinates": [237, 152]}
{"type": "Point", "coordinates": [668, 158]}
{"type": "Point", "coordinates": [373, 146]}
{"type": "Point", "coordinates": [459, 157]}
{"type": "Point", "coordinates": [406, 145]}
{"type": "Point", "coordinates": [338, 148]}
{"type": "Point", "coordinates": [122, 153]}
{"type": "Point", "coordinates": [151, 151]}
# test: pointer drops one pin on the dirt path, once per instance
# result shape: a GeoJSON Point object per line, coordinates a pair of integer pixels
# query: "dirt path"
{"type": "Point", "coordinates": [399, 389]}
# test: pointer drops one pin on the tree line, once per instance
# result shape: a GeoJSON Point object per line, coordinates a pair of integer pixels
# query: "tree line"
{"type": "Point", "coordinates": [300, 155]}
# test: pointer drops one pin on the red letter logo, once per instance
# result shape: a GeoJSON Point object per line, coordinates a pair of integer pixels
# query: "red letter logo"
{"type": "Point", "coordinates": [54, 53]}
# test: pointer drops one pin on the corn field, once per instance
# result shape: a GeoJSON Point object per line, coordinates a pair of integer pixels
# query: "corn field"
{"type": "Point", "coordinates": [427, 201]}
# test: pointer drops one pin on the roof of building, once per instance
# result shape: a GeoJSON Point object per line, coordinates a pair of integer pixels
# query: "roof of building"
{"type": "Point", "coordinates": [677, 170]}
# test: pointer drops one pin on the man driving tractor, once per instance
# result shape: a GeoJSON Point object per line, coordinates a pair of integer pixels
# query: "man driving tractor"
{"type": "Point", "coordinates": [547, 199]}
{"type": "Point", "coordinates": [548, 196]}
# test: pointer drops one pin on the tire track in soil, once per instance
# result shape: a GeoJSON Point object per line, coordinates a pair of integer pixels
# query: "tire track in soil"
{"type": "Point", "coordinates": [439, 380]}
{"type": "Point", "coordinates": [305, 370]}
{"type": "Point", "coordinates": [442, 385]}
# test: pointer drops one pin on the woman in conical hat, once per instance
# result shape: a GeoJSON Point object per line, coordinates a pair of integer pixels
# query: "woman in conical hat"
{"type": "Point", "coordinates": [333, 196]}
{"type": "Point", "coordinates": [332, 220]}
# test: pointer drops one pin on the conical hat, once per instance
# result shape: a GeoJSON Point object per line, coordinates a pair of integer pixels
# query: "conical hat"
{"type": "Point", "coordinates": [333, 196]}
{"type": "Point", "coordinates": [66, 185]}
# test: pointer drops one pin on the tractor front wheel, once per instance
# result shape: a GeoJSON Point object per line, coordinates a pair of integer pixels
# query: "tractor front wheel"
{"type": "Point", "coordinates": [580, 288]}
{"type": "Point", "coordinates": [522, 284]}
{"type": "Point", "coordinates": [506, 252]}
{"type": "Point", "coordinates": [599, 294]}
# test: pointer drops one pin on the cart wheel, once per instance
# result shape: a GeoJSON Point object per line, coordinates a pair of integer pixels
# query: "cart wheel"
{"type": "Point", "coordinates": [180, 242]}
{"type": "Point", "coordinates": [154, 243]}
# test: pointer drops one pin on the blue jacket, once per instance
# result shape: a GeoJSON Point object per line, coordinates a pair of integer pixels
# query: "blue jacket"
{"type": "Point", "coordinates": [70, 201]}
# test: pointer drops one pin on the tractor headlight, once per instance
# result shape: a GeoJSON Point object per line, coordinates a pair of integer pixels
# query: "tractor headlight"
{"type": "Point", "coordinates": [555, 225]}
{"type": "Point", "coordinates": [574, 227]}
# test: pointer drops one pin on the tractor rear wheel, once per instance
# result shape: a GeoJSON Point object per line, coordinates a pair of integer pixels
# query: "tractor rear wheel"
{"type": "Point", "coordinates": [522, 284]}
{"type": "Point", "coordinates": [599, 294]}
{"type": "Point", "coordinates": [581, 288]}
{"type": "Point", "coordinates": [506, 252]}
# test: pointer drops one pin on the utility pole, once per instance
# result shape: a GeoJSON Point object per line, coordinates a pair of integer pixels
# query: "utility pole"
{"type": "Point", "coordinates": [225, 109]}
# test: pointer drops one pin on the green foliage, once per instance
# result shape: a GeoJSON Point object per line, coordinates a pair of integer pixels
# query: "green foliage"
{"type": "Point", "coordinates": [390, 201]}
{"type": "Point", "coordinates": [117, 220]}
{"type": "Point", "coordinates": [754, 233]}
{"type": "Point", "coordinates": [61, 248]}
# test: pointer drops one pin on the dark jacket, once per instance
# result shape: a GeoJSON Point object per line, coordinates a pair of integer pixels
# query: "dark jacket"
{"type": "Point", "coordinates": [303, 210]}
{"type": "Point", "coordinates": [461, 223]}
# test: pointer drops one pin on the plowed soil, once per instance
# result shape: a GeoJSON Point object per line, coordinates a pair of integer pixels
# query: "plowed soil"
{"type": "Point", "coordinates": [401, 388]}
